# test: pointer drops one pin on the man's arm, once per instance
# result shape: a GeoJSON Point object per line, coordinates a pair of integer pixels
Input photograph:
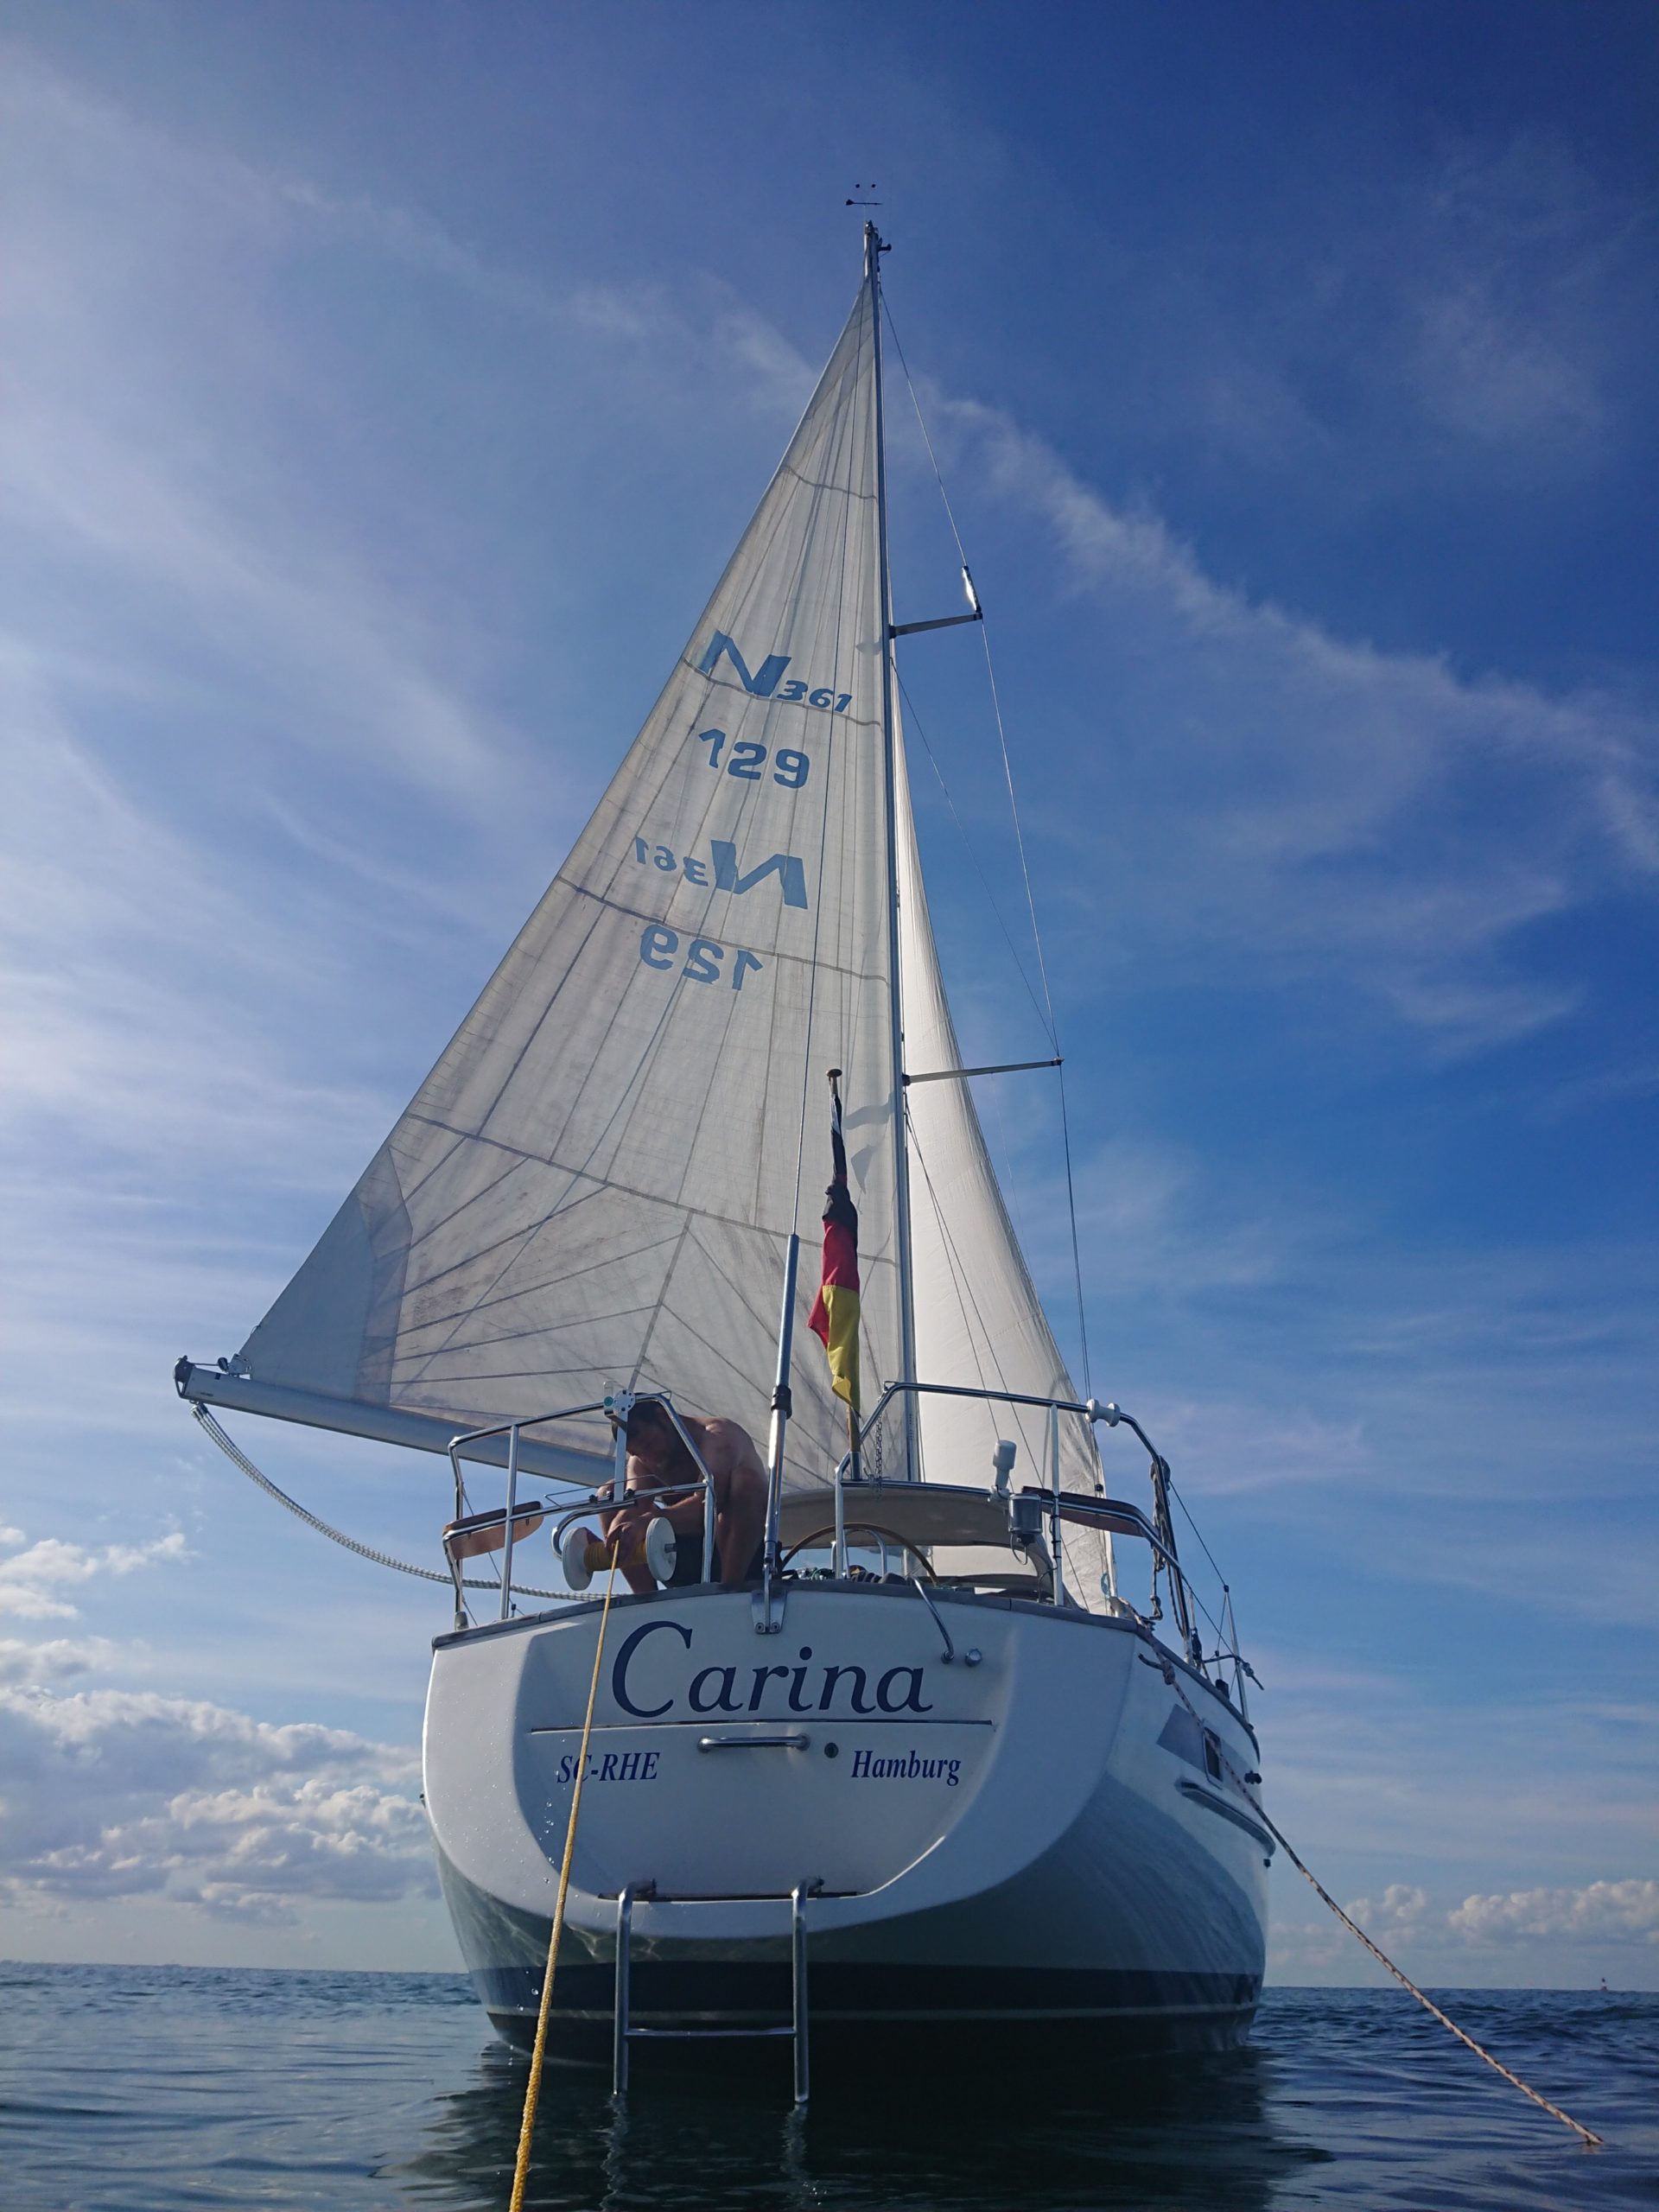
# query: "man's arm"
{"type": "Point", "coordinates": [739, 1495]}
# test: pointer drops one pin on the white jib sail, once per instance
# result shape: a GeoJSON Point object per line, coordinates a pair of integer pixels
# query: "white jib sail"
{"type": "Point", "coordinates": [979, 1322]}
{"type": "Point", "coordinates": [594, 1187]}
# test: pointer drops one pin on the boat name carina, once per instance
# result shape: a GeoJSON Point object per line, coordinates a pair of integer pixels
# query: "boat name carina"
{"type": "Point", "coordinates": [716, 1689]}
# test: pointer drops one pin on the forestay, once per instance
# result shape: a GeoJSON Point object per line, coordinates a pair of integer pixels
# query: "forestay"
{"type": "Point", "coordinates": [594, 1187]}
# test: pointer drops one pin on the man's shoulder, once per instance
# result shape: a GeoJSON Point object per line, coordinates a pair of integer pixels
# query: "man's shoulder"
{"type": "Point", "coordinates": [729, 1436]}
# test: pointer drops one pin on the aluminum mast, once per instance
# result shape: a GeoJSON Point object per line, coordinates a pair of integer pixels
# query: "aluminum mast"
{"type": "Point", "coordinates": [874, 250]}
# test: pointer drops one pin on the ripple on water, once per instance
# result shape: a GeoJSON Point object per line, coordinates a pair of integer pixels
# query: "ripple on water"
{"type": "Point", "coordinates": [155, 2090]}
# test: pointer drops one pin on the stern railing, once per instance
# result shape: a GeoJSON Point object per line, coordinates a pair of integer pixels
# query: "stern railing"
{"type": "Point", "coordinates": [1056, 1504]}
{"type": "Point", "coordinates": [1038, 1513]}
{"type": "Point", "coordinates": [617, 1408]}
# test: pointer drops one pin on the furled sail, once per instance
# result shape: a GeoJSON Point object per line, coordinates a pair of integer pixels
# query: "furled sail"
{"type": "Point", "coordinates": [594, 1187]}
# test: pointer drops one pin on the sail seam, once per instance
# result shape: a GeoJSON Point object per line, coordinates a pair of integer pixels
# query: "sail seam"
{"type": "Point", "coordinates": [600, 1186]}
{"type": "Point", "coordinates": [618, 781]}
{"type": "Point", "coordinates": [547, 1282]}
{"type": "Point", "coordinates": [511, 1374]}
{"type": "Point", "coordinates": [655, 1311]}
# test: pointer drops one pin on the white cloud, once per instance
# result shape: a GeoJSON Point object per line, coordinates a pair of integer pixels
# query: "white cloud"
{"type": "Point", "coordinates": [32, 1580]}
{"type": "Point", "coordinates": [57, 1660]}
{"type": "Point", "coordinates": [1401, 1906]}
{"type": "Point", "coordinates": [1598, 1912]}
{"type": "Point", "coordinates": [1563, 1933]}
{"type": "Point", "coordinates": [119, 1794]}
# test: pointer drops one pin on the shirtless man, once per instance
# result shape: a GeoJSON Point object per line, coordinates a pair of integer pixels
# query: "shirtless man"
{"type": "Point", "coordinates": [659, 1460]}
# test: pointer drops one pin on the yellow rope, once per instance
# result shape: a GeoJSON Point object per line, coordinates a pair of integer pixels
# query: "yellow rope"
{"type": "Point", "coordinates": [533, 2087]}
{"type": "Point", "coordinates": [1427, 2003]}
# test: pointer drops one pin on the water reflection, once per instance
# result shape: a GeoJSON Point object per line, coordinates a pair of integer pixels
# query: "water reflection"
{"type": "Point", "coordinates": [1151, 2134]}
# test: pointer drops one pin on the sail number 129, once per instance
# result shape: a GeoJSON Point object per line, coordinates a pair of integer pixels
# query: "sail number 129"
{"type": "Point", "coordinates": [791, 768]}
{"type": "Point", "coordinates": [659, 947]}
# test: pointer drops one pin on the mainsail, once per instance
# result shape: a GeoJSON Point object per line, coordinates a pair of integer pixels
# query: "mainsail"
{"type": "Point", "coordinates": [594, 1187]}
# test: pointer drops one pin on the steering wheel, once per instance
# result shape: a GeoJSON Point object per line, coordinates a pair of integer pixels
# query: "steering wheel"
{"type": "Point", "coordinates": [863, 1528]}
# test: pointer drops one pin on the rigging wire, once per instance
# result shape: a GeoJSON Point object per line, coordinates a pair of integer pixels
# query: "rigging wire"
{"type": "Point", "coordinates": [913, 720]}
{"type": "Point", "coordinates": [1187, 1511]}
{"type": "Point", "coordinates": [1020, 842]}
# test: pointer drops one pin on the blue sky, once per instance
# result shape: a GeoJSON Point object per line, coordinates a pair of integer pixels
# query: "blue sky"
{"type": "Point", "coordinates": [387, 388]}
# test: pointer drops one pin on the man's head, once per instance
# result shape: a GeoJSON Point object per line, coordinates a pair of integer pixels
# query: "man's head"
{"type": "Point", "coordinates": [652, 1440]}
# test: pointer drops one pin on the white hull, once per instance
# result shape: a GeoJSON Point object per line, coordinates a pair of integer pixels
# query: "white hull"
{"type": "Point", "coordinates": [1037, 1838]}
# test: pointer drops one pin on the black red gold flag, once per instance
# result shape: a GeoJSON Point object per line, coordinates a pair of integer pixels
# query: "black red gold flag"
{"type": "Point", "coordinates": [835, 1313]}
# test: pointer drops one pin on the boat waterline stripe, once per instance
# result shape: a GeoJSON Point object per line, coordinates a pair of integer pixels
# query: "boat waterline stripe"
{"type": "Point", "coordinates": [822, 2013]}
{"type": "Point", "coordinates": [738, 1989]}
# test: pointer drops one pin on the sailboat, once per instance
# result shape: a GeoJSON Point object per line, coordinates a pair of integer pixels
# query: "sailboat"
{"type": "Point", "coordinates": [933, 1766]}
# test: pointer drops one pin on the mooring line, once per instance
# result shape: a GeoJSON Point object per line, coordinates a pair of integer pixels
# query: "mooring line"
{"type": "Point", "coordinates": [1381, 1956]}
{"type": "Point", "coordinates": [533, 2087]}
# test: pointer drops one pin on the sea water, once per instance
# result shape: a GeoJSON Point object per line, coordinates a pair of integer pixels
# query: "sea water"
{"type": "Point", "coordinates": [127, 2089]}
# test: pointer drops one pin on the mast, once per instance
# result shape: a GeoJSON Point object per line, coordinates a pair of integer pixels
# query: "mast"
{"type": "Point", "coordinates": [873, 249]}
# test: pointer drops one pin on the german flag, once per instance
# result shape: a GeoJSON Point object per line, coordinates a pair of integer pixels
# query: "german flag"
{"type": "Point", "coordinates": [834, 1313]}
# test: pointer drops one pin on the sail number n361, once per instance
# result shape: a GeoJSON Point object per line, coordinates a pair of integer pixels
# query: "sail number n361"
{"type": "Point", "coordinates": [768, 682]}
{"type": "Point", "coordinates": [728, 876]}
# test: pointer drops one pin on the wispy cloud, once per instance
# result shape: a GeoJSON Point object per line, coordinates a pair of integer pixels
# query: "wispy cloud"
{"type": "Point", "coordinates": [59, 1659]}
{"type": "Point", "coordinates": [33, 1580]}
{"type": "Point", "coordinates": [1483, 322]}
{"type": "Point", "coordinates": [1292, 804]}
{"type": "Point", "coordinates": [1507, 303]}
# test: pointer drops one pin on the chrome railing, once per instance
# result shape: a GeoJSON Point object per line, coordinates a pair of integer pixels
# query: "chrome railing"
{"type": "Point", "coordinates": [617, 1407]}
{"type": "Point", "coordinates": [1059, 1504]}
{"type": "Point", "coordinates": [1051, 1501]}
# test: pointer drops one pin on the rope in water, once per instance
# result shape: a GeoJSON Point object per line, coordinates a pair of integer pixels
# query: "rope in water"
{"type": "Point", "coordinates": [1382, 1957]}
{"type": "Point", "coordinates": [533, 2087]}
{"type": "Point", "coordinates": [238, 1458]}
